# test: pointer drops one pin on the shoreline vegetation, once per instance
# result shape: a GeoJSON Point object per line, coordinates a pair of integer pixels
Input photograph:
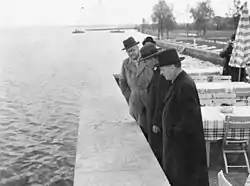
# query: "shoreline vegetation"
{"type": "Point", "coordinates": [201, 22]}
{"type": "Point", "coordinates": [192, 50]}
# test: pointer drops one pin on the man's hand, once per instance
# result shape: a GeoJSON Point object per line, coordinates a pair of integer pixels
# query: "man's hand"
{"type": "Point", "coordinates": [156, 129]}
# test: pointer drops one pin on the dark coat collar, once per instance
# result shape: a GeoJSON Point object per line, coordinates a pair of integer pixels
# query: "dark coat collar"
{"type": "Point", "coordinates": [180, 77]}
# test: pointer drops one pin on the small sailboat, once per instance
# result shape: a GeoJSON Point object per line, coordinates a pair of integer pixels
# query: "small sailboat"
{"type": "Point", "coordinates": [78, 31]}
{"type": "Point", "coordinates": [117, 31]}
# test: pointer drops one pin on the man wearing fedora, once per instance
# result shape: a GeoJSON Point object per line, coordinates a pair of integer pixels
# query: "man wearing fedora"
{"type": "Point", "coordinates": [156, 91]}
{"type": "Point", "coordinates": [148, 39]}
{"type": "Point", "coordinates": [134, 81]}
{"type": "Point", "coordinates": [184, 152]}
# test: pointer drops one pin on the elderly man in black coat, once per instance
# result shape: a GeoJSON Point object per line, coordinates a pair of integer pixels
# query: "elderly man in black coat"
{"type": "Point", "coordinates": [156, 91]}
{"type": "Point", "coordinates": [184, 152]}
{"type": "Point", "coordinates": [228, 70]}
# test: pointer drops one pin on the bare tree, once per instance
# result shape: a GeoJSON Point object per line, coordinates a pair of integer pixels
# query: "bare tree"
{"type": "Point", "coordinates": [143, 25]}
{"type": "Point", "coordinates": [163, 16]}
{"type": "Point", "coordinates": [236, 11]}
{"type": "Point", "coordinates": [202, 14]}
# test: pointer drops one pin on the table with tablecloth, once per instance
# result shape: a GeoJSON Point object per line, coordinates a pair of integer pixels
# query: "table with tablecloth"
{"type": "Point", "coordinates": [227, 86]}
{"type": "Point", "coordinates": [216, 93]}
{"type": "Point", "coordinates": [213, 124]}
{"type": "Point", "coordinates": [202, 71]}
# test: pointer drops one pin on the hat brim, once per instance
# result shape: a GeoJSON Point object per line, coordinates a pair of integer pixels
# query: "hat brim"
{"type": "Point", "coordinates": [180, 59]}
{"type": "Point", "coordinates": [153, 55]}
{"type": "Point", "coordinates": [132, 45]}
{"type": "Point", "coordinates": [144, 42]}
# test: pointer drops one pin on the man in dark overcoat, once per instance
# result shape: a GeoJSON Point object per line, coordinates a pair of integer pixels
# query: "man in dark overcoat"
{"type": "Point", "coordinates": [227, 69]}
{"type": "Point", "coordinates": [226, 54]}
{"type": "Point", "coordinates": [184, 152]}
{"type": "Point", "coordinates": [156, 92]}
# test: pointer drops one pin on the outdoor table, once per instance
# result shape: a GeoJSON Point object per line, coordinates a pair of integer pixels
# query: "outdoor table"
{"type": "Point", "coordinates": [213, 124]}
{"type": "Point", "coordinates": [226, 86]}
{"type": "Point", "coordinates": [202, 71]}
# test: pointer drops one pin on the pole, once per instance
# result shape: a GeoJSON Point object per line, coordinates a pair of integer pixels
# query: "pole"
{"type": "Point", "coordinates": [239, 74]}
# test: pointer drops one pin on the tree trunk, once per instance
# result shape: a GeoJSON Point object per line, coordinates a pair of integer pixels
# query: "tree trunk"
{"type": "Point", "coordinates": [159, 28]}
{"type": "Point", "coordinates": [158, 32]}
{"type": "Point", "coordinates": [204, 31]}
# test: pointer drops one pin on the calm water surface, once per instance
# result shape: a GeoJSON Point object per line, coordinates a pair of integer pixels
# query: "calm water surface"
{"type": "Point", "coordinates": [44, 73]}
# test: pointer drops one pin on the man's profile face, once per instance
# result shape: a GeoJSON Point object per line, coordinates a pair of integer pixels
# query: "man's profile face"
{"type": "Point", "coordinates": [167, 72]}
{"type": "Point", "coordinates": [133, 52]}
{"type": "Point", "coordinates": [149, 42]}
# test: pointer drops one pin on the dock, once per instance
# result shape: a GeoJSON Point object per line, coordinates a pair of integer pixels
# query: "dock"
{"type": "Point", "coordinates": [112, 151]}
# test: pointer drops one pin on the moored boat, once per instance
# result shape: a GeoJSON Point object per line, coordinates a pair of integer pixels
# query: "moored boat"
{"type": "Point", "coordinates": [117, 31]}
{"type": "Point", "coordinates": [78, 31]}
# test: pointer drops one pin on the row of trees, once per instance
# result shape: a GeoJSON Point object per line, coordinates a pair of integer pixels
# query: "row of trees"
{"type": "Point", "coordinates": [203, 18]}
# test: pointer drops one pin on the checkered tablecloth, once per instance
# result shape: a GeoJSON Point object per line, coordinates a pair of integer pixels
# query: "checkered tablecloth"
{"type": "Point", "coordinates": [213, 123]}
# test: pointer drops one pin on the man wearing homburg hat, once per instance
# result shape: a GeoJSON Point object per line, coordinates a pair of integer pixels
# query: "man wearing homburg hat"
{"type": "Point", "coordinates": [134, 81]}
{"type": "Point", "coordinates": [184, 153]}
{"type": "Point", "coordinates": [148, 40]}
{"type": "Point", "coordinates": [156, 91]}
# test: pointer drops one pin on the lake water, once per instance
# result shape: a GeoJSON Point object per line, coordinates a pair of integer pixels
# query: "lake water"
{"type": "Point", "coordinates": [46, 76]}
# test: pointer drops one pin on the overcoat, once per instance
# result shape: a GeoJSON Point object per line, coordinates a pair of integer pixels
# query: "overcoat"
{"type": "Point", "coordinates": [226, 54]}
{"type": "Point", "coordinates": [157, 90]}
{"type": "Point", "coordinates": [134, 84]}
{"type": "Point", "coordinates": [184, 152]}
{"type": "Point", "coordinates": [228, 70]}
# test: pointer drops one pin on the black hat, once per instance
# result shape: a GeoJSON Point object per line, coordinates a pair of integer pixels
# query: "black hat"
{"type": "Point", "coordinates": [130, 42]}
{"type": "Point", "coordinates": [168, 57]}
{"type": "Point", "coordinates": [148, 39]}
{"type": "Point", "coordinates": [148, 51]}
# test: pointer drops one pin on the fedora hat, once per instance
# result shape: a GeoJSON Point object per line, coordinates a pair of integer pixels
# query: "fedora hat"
{"type": "Point", "coordinates": [148, 39]}
{"type": "Point", "coordinates": [148, 51]}
{"type": "Point", "coordinates": [168, 57]}
{"type": "Point", "coordinates": [130, 42]}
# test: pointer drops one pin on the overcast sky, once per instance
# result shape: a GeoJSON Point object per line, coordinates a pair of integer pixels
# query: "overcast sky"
{"type": "Point", "coordinates": [66, 12]}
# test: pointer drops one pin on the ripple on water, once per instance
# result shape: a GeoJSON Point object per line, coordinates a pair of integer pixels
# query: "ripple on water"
{"type": "Point", "coordinates": [38, 141]}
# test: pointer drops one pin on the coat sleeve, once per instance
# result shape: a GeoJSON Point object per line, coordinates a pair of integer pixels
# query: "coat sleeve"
{"type": "Point", "coordinates": [151, 100]}
{"type": "Point", "coordinates": [162, 88]}
{"type": "Point", "coordinates": [156, 112]}
{"type": "Point", "coordinates": [124, 84]}
{"type": "Point", "coordinates": [157, 119]}
{"type": "Point", "coordinates": [227, 51]}
{"type": "Point", "coordinates": [189, 109]}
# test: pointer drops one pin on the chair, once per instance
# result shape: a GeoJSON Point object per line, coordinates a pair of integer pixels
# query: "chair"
{"type": "Point", "coordinates": [199, 78]}
{"type": "Point", "coordinates": [222, 181]}
{"type": "Point", "coordinates": [206, 102]}
{"type": "Point", "coordinates": [243, 96]}
{"type": "Point", "coordinates": [220, 98]}
{"type": "Point", "coordinates": [223, 101]}
{"type": "Point", "coordinates": [234, 146]}
{"type": "Point", "coordinates": [221, 78]}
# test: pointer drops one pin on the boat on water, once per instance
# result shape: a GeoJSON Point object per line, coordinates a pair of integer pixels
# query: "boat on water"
{"type": "Point", "coordinates": [117, 31]}
{"type": "Point", "coordinates": [78, 31]}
